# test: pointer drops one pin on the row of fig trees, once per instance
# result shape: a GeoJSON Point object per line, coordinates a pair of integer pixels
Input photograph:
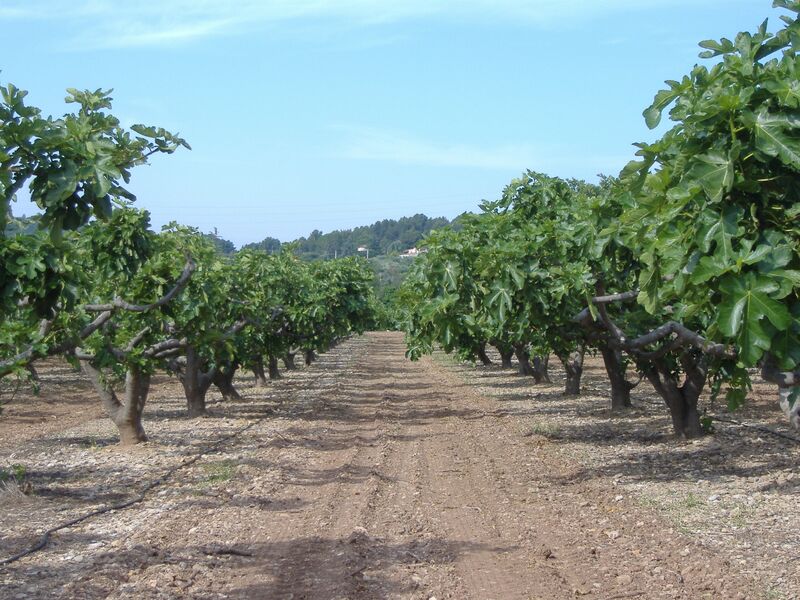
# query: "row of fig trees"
{"type": "Point", "coordinates": [687, 265]}
{"type": "Point", "coordinates": [88, 279]}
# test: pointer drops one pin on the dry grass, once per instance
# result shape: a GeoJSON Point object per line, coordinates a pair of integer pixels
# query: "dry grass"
{"type": "Point", "coordinates": [14, 493]}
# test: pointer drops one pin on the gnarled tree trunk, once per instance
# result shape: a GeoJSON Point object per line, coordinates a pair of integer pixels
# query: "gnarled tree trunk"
{"type": "Point", "coordinates": [288, 361]}
{"type": "Point", "coordinates": [126, 413]}
{"type": "Point", "coordinates": [32, 373]}
{"type": "Point", "coordinates": [788, 383]}
{"type": "Point", "coordinates": [789, 407]}
{"type": "Point", "coordinates": [524, 360]}
{"type": "Point", "coordinates": [573, 366]}
{"type": "Point", "coordinates": [195, 382]}
{"type": "Point", "coordinates": [681, 400]}
{"type": "Point", "coordinates": [541, 369]}
{"type": "Point", "coordinates": [506, 354]}
{"type": "Point", "coordinates": [481, 351]}
{"type": "Point", "coordinates": [272, 365]}
{"type": "Point", "coordinates": [620, 386]}
{"type": "Point", "coordinates": [259, 373]}
{"type": "Point", "coordinates": [223, 379]}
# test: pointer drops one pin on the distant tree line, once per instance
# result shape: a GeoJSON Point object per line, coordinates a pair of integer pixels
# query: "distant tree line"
{"type": "Point", "coordinates": [388, 236]}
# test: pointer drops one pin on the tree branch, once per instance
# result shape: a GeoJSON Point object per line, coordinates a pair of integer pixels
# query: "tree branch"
{"type": "Point", "coordinates": [685, 336]}
{"type": "Point", "coordinates": [772, 374]}
{"type": "Point", "coordinates": [169, 345]}
{"type": "Point", "coordinates": [137, 339]}
{"type": "Point", "coordinates": [120, 304]}
{"type": "Point", "coordinates": [681, 336]}
{"type": "Point", "coordinates": [106, 312]}
{"type": "Point", "coordinates": [29, 354]}
{"type": "Point", "coordinates": [621, 297]}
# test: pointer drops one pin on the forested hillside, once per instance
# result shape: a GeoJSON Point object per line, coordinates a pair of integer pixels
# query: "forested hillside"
{"type": "Point", "coordinates": [383, 237]}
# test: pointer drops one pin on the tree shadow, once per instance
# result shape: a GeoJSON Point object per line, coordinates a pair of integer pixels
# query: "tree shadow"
{"type": "Point", "coordinates": [320, 567]}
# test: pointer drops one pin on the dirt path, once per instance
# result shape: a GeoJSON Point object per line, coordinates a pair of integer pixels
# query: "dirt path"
{"type": "Point", "coordinates": [374, 478]}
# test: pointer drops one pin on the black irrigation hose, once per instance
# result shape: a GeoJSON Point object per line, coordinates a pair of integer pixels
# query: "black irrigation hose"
{"type": "Point", "coordinates": [45, 539]}
{"type": "Point", "coordinates": [780, 434]}
{"type": "Point", "coordinates": [763, 428]}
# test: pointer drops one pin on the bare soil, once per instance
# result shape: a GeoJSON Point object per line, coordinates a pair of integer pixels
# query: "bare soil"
{"type": "Point", "coordinates": [369, 476]}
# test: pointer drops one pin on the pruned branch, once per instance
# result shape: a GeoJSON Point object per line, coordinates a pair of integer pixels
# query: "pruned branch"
{"type": "Point", "coordinates": [29, 354]}
{"type": "Point", "coordinates": [106, 312]}
{"type": "Point", "coordinates": [621, 297]}
{"type": "Point", "coordinates": [169, 345]}
{"type": "Point", "coordinates": [674, 335]}
{"type": "Point", "coordinates": [236, 328]}
{"type": "Point", "coordinates": [682, 334]}
{"type": "Point", "coordinates": [99, 321]}
{"type": "Point", "coordinates": [120, 304]}
{"type": "Point", "coordinates": [80, 354]}
{"type": "Point", "coordinates": [169, 353]}
{"type": "Point", "coordinates": [772, 374]}
{"type": "Point", "coordinates": [137, 339]}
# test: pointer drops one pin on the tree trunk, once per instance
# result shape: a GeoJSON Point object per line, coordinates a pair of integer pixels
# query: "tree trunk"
{"type": "Point", "coordinates": [309, 356]}
{"type": "Point", "coordinates": [288, 361]}
{"type": "Point", "coordinates": [274, 372]}
{"type": "Point", "coordinates": [126, 414]}
{"type": "Point", "coordinates": [620, 386]}
{"type": "Point", "coordinates": [34, 374]}
{"type": "Point", "coordinates": [223, 379]}
{"type": "Point", "coordinates": [195, 383]}
{"type": "Point", "coordinates": [681, 400]}
{"type": "Point", "coordinates": [788, 383]}
{"type": "Point", "coordinates": [792, 410]}
{"type": "Point", "coordinates": [541, 369]}
{"type": "Point", "coordinates": [506, 353]}
{"type": "Point", "coordinates": [524, 360]}
{"type": "Point", "coordinates": [258, 372]}
{"type": "Point", "coordinates": [482, 354]}
{"type": "Point", "coordinates": [573, 366]}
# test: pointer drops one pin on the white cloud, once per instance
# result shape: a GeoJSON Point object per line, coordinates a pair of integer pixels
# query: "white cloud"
{"type": "Point", "coordinates": [364, 143]}
{"type": "Point", "coordinates": [110, 23]}
{"type": "Point", "coordinates": [134, 36]}
{"type": "Point", "coordinates": [374, 144]}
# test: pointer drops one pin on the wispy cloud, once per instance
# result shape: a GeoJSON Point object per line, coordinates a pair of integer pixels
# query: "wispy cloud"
{"type": "Point", "coordinates": [364, 143]}
{"type": "Point", "coordinates": [110, 23]}
{"type": "Point", "coordinates": [374, 144]}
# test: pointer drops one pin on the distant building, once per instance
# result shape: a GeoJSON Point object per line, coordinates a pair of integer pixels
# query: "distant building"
{"type": "Point", "coordinates": [412, 252]}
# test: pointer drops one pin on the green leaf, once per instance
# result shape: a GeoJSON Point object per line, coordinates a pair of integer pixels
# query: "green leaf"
{"type": "Point", "coordinates": [61, 184]}
{"type": "Point", "coordinates": [652, 114]}
{"type": "Point", "coordinates": [517, 276]}
{"type": "Point", "coordinates": [777, 135]}
{"type": "Point", "coordinates": [714, 172]}
{"type": "Point", "coordinates": [746, 304]}
{"type": "Point", "coordinates": [735, 398]}
{"type": "Point", "coordinates": [722, 232]}
{"type": "Point", "coordinates": [649, 283]}
{"type": "Point", "coordinates": [707, 268]}
{"type": "Point", "coordinates": [787, 92]}
{"type": "Point", "coordinates": [451, 276]}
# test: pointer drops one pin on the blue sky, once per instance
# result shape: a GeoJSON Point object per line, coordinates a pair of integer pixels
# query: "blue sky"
{"type": "Point", "coordinates": [309, 114]}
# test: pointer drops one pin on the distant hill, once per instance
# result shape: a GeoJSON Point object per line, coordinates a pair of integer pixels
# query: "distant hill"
{"type": "Point", "coordinates": [389, 236]}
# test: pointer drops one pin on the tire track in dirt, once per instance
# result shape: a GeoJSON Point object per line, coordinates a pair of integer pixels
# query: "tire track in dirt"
{"type": "Point", "coordinates": [383, 478]}
{"type": "Point", "coordinates": [315, 552]}
{"type": "Point", "coordinates": [401, 482]}
{"type": "Point", "coordinates": [581, 539]}
{"type": "Point", "coordinates": [494, 563]}
{"type": "Point", "coordinates": [408, 556]}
